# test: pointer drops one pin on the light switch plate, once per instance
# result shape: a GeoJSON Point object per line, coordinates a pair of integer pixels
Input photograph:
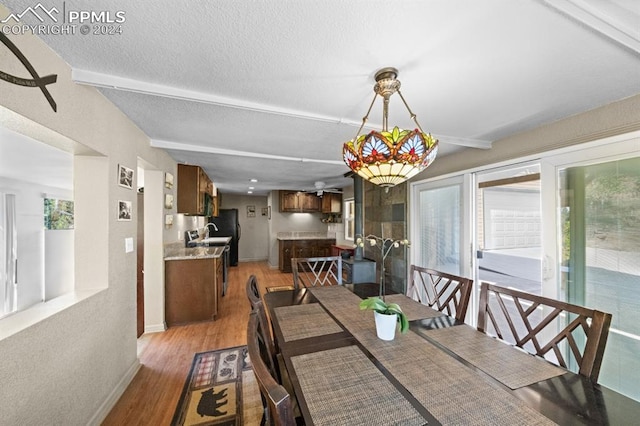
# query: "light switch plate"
{"type": "Point", "coordinates": [128, 245]}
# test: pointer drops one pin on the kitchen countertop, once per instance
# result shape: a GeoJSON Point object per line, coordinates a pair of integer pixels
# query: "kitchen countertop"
{"type": "Point", "coordinates": [305, 235]}
{"type": "Point", "coordinates": [177, 251]}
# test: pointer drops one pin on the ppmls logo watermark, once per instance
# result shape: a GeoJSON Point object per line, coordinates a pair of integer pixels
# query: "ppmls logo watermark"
{"type": "Point", "coordinates": [66, 21]}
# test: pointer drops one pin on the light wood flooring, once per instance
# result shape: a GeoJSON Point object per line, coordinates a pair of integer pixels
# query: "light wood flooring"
{"type": "Point", "coordinates": [166, 357]}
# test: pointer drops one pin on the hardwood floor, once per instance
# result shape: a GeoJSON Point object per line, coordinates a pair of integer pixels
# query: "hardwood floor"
{"type": "Point", "coordinates": [152, 396]}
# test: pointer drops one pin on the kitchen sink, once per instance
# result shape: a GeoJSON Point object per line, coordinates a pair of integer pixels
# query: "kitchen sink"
{"type": "Point", "coordinates": [216, 241]}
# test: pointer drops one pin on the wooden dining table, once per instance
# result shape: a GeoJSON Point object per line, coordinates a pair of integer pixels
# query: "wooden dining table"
{"type": "Point", "coordinates": [442, 371]}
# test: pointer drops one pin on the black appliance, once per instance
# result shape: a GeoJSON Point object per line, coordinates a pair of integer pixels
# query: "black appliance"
{"type": "Point", "coordinates": [228, 226]}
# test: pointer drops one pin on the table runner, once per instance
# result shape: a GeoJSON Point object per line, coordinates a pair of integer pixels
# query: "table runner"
{"type": "Point", "coordinates": [304, 321]}
{"type": "Point", "coordinates": [510, 366]}
{"type": "Point", "coordinates": [412, 309]}
{"type": "Point", "coordinates": [342, 387]}
{"type": "Point", "coordinates": [451, 391]}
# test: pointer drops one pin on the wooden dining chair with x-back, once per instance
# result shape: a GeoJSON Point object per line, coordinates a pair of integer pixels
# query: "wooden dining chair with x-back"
{"type": "Point", "coordinates": [447, 293]}
{"type": "Point", "coordinates": [316, 271]}
{"type": "Point", "coordinates": [552, 329]}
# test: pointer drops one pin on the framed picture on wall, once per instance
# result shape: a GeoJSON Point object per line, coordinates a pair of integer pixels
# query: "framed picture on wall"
{"type": "Point", "coordinates": [125, 176]}
{"type": "Point", "coordinates": [251, 211]}
{"type": "Point", "coordinates": [168, 201]}
{"type": "Point", "coordinates": [168, 180]}
{"type": "Point", "coordinates": [124, 210]}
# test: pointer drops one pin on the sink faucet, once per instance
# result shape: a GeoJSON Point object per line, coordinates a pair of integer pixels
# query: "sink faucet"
{"type": "Point", "coordinates": [212, 224]}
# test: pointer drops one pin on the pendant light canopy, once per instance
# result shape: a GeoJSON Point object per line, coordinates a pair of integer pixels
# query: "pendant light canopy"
{"type": "Point", "coordinates": [387, 158]}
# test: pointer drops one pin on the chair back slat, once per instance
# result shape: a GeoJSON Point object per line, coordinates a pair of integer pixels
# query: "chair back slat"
{"type": "Point", "coordinates": [264, 328]}
{"type": "Point", "coordinates": [316, 271]}
{"type": "Point", "coordinates": [555, 330]}
{"type": "Point", "coordinates": [447, 293]}
{"type": "Point", "coordinates": [276, 400]}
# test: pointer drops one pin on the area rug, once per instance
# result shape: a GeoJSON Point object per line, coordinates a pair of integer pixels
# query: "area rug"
{"type": "Point", "coordinates": [220, 390]}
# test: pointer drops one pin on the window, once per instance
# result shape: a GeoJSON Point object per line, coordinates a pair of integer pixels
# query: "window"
{"type": "Point", "coordinates": [349, 219]}
{"type": "Point", "coordinates": [58, 214]}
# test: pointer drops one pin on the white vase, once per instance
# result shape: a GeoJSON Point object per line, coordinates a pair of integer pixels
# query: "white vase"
{"type": "Point", "coordinates": [386, 325]}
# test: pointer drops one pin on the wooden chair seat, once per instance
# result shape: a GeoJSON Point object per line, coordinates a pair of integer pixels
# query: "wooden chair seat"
{"type": "Point", "coordinates": [447, 293]}
{"type": "Point", "coordinates": [560, 332]}
{"type": "Point", "coordinates": [316, 271]}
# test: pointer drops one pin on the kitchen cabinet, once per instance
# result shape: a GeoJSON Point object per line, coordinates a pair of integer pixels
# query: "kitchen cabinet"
{"type": "Point", "coordinates": [299, 202]}
{"type": "Point", "coordinates": [303, 248]}
{"type": "Point", "coordinates": [195, 192]}
{"type": "Point", "coordinates": [331, 202]}
{"type": "Point", "coordinates": [193, 288]}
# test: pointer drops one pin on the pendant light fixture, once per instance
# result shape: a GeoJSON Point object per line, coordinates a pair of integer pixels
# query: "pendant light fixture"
{"type": "Point", "coordinates": [387, 158]}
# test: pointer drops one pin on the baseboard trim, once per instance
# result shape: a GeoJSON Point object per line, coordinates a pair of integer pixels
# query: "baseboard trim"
{"type": "Point", "coordinates": [156, 328]}
{"type": "Point", "coordinates": [114, 396]}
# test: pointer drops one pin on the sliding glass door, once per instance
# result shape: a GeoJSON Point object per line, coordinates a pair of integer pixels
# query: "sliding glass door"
{"type": "Point", "coordinates": [439, 231]}
{"type": "Point", "coordinates": [599, 244]}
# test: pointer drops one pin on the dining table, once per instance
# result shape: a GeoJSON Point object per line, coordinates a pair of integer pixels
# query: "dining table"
{"type": "Point", "coordinates": [442, 371]}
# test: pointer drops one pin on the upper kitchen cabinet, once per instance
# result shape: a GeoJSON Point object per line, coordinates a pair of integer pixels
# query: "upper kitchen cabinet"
{"type": "Point", "coordinates": [331, 202]}
{"type": "Point", "coordinates": [299, 202]}
{"type": "Point", "coordinates": [195, 192]}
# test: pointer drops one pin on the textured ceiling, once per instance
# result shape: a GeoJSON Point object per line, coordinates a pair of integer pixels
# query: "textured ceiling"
{"type": "Point", "coordinates": [271, 89]}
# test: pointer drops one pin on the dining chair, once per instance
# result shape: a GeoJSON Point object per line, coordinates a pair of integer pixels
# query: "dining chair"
{"type": "Point", "coordinates": [264, 328]}
{"type": "Point", "coordinates": [316, 271]}
{"type": "Point", "coordinates": [447, 293]}
{"type": "Point", "coordinates": [278, 409]}
{"type": "Point", "coordinates": [560, 332]}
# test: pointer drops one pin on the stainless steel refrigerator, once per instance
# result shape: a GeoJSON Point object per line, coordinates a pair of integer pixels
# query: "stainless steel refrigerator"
{"type": "Point", "coordinates": [228, 226]}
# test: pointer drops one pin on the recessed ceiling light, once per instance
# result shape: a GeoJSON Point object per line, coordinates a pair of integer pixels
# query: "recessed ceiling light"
{"type": "Point", "coordinates": [249, 192]}
{"type": "Point", "coordinates": [252, 187]}
{"type": "Point", "coordinates": [254, 180]}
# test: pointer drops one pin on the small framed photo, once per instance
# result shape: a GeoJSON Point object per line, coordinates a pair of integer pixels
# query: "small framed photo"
{"type": "Point", "coordinates": [251, 211]}
{"type": "Point", "coordinates": [124, 210]}
{"type": "Point", "coordinates": [264, 211]}
{"type": "Point", "coordinates": [168, 201]}
{"type": "Point", "coordinates": [168, 180]}
{"type": "Point", "coordinates": [125, 176]}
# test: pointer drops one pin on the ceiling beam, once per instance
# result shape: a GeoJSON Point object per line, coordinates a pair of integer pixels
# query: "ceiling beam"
{"type": "Point", "coordinates": [600, 17]}
{"type": "Point", "coordinates": [156, 143]}
{"type": "Point", "coordinates": [108, 81]}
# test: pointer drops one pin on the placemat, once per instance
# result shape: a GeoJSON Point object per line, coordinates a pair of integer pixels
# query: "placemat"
{"type": "Point", "coordinates": [343, 387]}
{"type": "Point", "coordinates": [303, 321]}
{"type": "Point", "coordinates": [451, 391]}
{"type": "Point", "coordinates": [508, 365]}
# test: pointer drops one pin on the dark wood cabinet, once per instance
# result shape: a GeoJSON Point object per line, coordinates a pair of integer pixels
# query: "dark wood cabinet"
{"type": "Point", "coordinates": [299, 202]}
{"type": "Point", "coordinates": [331, 202]}
{"type": "Point", "coordinates": [302, 248]}
{"type": "Point", "coordinates": [195, 192]}
{"type": "Point", "coordinates": [193, 288]}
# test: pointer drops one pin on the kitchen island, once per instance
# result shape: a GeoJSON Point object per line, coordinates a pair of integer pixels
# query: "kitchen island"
{"type": "Point", "coordinates": [193, 283]}
{"type": "Point", "coordinates": [303, 244]}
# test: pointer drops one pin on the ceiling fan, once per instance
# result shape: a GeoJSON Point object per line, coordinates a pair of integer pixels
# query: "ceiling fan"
{"type": "Point", "coordinates": [321, 189]}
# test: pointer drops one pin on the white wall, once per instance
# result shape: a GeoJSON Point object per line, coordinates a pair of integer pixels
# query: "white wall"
{"type": "Point", "coordinates": [255, 230]}
{"type": "Point", "coordinates": [73, 366]}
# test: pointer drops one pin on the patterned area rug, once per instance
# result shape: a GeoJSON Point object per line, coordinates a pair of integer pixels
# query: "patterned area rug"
{"type": "Point", "coordinates": [220, 390]}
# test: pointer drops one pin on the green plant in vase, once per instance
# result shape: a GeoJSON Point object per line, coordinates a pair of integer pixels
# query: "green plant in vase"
{"type": "Point", "coordinates": [378, 304]}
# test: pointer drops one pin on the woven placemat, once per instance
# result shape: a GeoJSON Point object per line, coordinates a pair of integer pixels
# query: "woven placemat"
{"type": "Point", "coordinates": [303, 321]}
{"type": "Point", "coordinates": [412, 309]}
{"type": "Point", "coordinates": [343, 387]}
{"type": "Point", "coordinates": [512, 367]}
{"type": "Point", "coordinates": [451, 391]}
